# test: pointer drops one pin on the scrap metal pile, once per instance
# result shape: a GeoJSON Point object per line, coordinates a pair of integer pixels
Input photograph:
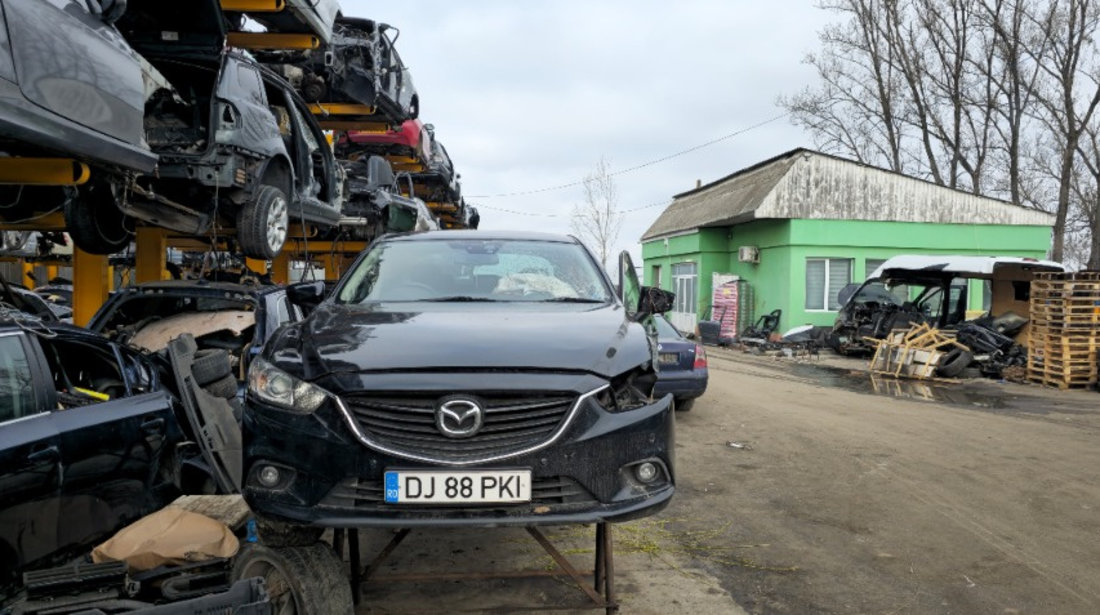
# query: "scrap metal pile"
{"type": "Point", "coordinates": [983, 346]}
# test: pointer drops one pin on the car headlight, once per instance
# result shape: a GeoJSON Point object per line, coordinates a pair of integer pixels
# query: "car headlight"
{"type": "Point", "coordinates": [274, 386]}
{"type": "Point", "coordinates": [629, 391]}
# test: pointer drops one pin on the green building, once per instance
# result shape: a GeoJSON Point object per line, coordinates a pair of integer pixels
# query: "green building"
{"type": "Point", "coordinates": [797, 228]}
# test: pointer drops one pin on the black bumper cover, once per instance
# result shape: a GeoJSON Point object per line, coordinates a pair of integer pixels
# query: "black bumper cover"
{"type": "Point", "coordinates": [587, 472]}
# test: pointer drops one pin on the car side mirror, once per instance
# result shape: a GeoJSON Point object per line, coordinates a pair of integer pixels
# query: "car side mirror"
{"type": "Point", "coordinates": [654, 301]}
{"type": "Point", "coordinates": [306, 295]}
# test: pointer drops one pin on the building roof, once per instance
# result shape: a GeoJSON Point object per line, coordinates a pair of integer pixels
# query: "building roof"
{"type": "Point", "coordinates": [807, 184]}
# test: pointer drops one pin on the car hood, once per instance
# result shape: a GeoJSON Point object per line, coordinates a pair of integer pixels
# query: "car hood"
{"type": "Point", "coordinates": [462, 336]}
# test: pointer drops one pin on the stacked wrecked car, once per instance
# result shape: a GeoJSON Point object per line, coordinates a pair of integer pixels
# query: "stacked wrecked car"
{"type": "Point", "coordinates": [173, 115]}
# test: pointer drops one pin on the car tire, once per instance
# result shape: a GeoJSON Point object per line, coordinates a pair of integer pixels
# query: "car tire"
{"type": "Point", "coordinates": [224, 387]}
{"type": "Point", "coordinates": [954, 362]}
{"type": "Point", "coordinates": [95, 223]}
{"type": "Point", "coordinates": [683, 405]}
{"type": "Point", "coordinates": [309, 580]}
{"type": "Point", "coordinates": [281, 534]}
{"type": "Point", "coordinates": [263, 222]}
{"type": "Point", "coordinates": [210, 364]}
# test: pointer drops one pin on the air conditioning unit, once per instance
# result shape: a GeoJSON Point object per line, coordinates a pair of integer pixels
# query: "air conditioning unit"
{"type": "Point", "coordinates": [748, 254]}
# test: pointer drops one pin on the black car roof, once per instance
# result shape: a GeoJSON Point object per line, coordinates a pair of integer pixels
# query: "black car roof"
{"type": "Point", "coordinates": [468, 234]}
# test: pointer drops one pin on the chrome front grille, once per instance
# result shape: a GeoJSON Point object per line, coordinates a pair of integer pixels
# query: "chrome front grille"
{"type": "Point", "coordinates": [405, 424]}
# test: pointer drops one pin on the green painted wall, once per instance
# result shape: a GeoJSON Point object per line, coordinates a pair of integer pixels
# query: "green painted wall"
{"type": "Point", "coordinates": [779, 280]}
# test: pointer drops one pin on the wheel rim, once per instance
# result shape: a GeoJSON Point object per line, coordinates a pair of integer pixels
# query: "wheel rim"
{"type": "Point", "coordinates": [277, 223]}
{"type": "Point", "coordinates": [277, 582]}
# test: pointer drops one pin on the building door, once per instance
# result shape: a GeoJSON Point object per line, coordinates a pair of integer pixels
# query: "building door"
{"type": "Point", "coordinates": [685, 283]}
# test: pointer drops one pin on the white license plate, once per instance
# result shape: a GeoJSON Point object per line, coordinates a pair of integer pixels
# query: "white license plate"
{"type": "Point", "coordinates": [458, 487]}
{"type": "Point", "coordinates": [669, 357]}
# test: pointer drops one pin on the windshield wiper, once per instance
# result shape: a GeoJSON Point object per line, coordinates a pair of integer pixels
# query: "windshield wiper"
{"type": "Point", "coordinates": [459, 298]}
{"type": "Point", "coordinates": [572, 300]}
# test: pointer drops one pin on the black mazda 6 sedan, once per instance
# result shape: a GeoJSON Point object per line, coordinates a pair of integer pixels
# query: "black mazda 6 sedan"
{"type": "Point", "coordinates": [463, 378]}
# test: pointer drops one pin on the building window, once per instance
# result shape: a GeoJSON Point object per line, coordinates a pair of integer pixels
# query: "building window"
{"type": "Point", "coordinates": [824, 279]}
{"type": "Point", "coordinates": [685, 280]}
{"type": "Point", "coordinates": [656, 281]}
{"type": "Point", "coordinates": [872, 264]}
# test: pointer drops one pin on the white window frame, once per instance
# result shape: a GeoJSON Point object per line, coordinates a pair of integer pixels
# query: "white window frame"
{"type": "Point", "coordinates": [825, 288]}
{"type": "Point", "coordinates": [690, 280]}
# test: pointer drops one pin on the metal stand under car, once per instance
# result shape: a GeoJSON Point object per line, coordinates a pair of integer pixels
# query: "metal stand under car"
{"type": "Point", "coordinates": [601, 592]}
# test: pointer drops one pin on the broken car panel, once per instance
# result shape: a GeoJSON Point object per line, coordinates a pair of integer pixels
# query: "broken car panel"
{"type": "Point", "coordinates": [378, 410]}
{"type": "Point", "coordinates": [93, 438]}
{"type": "Point", "coordinates": [237, 318]}
{"type": "Point", "coordinates": [374, 197]}
{"type": "Point", "coordinates": [359, 66]}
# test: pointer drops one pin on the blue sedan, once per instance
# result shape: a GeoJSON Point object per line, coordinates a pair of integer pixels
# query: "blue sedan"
{"type": "Point", "coordinates": [683, 366]}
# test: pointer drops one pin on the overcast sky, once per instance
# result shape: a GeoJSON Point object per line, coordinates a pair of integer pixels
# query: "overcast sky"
{"type": "Point", "coordinates": [530, 94]}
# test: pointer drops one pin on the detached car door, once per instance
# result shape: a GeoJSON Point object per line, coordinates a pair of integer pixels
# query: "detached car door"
{"type": "Point", "coordinates": [30, 459]}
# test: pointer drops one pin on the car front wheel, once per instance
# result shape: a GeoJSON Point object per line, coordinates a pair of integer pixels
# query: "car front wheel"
{"type": "Point", "coordinates": [262, 223]}
{"type": "Point", "coordinates": [307, 580]}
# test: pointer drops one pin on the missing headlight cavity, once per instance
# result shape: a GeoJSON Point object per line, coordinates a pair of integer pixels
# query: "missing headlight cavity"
{"type": "Point", "coordinates": [631, 390]}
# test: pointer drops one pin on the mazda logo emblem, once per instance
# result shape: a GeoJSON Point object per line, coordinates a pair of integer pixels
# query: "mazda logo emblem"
{"type": "Point", "coordinates": [458, 417]}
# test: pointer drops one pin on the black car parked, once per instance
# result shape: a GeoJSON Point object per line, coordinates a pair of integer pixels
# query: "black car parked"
{"type": "Point", "coordinates": [94, 435]}
{"type": "Point", "coordinates": [463, 378]}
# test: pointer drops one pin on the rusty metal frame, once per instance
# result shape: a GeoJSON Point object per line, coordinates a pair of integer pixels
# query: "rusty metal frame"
{"type": "Point", "coordinates": [601, 593]}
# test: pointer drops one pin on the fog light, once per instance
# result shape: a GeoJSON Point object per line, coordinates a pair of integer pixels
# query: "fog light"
{"type": "Point", "coordinates": [646, 472]}
{"type": "Point", "coordinates": [269, 476]}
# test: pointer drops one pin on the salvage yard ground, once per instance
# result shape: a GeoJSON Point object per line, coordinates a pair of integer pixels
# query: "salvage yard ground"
{"type": "Point", "coordinates": [832, 499]}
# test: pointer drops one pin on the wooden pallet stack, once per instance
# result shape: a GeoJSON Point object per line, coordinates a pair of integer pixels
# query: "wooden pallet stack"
{"type": "Point", "coordinates": [1065, 329]}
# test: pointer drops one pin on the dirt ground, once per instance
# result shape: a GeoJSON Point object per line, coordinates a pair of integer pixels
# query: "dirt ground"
{"type": "Point", "coordinates": [806, 487]}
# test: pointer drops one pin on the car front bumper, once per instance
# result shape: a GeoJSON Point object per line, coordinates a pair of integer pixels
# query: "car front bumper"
{"type": "Point", "coordinates": [331, 478]}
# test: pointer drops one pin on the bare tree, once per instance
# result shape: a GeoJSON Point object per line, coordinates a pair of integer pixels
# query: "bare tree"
{"type": "Point", "coordinates": [991, 96]}
{"type": "Point", "coordinates": [855, 110]}
{"type": "Point", "coordinates": [598, 220]}
{"type": "Point", "coordinates": [1068, 91]}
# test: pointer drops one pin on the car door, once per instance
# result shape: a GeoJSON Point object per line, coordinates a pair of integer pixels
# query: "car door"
{"type": "Point", "coordinates": [77, 66]}
{"type": "Point", "coordinates": [30, 459]}
{"type": "Point", "coordinates": [314, 162]}
{"type": "Point", "coordinates": [396, 79]}
{"type": "Point", "coordinates": [113, 450]}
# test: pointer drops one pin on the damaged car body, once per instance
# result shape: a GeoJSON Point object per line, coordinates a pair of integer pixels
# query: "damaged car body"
{"type": "Point", "coordinates": [71, 90]}
{"type": "Point", "coordinates": [374, 198]}
{"type": "Point", "coordinates": [96, 435]}
{"type": "Point", "coordinates": [463, 378]}
{"type": "Point", "coordinates": [237, 146]}
{"type": "Point", "coordinates": [236, 318]}
{"type": "Point", "coordinates": [360, 65]}
{"type": "Point", "coordinates": [935, 290]}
